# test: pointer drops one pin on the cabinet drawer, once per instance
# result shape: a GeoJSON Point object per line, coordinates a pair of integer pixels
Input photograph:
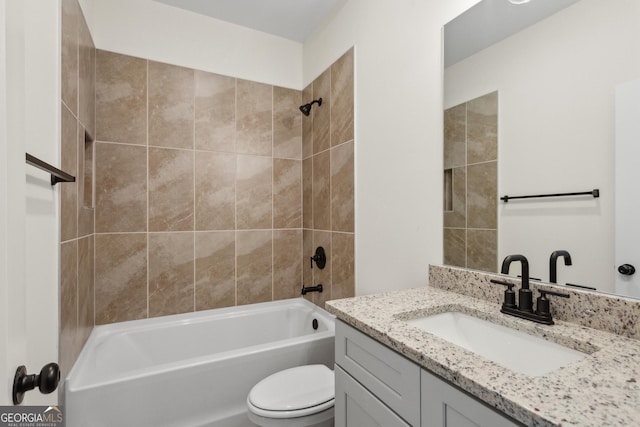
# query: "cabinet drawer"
{"type": "Point", "coordinates": [355, 406]}
{"type": "Point", "coordinates": [388, 375]}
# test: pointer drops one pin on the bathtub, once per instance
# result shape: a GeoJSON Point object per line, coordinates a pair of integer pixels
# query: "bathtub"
{"type": "Point", "coordinates": [192, 369]}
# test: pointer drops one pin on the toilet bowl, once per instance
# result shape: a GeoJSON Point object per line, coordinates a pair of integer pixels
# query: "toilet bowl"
{"type": "Point", "coordinates": [298, 397]}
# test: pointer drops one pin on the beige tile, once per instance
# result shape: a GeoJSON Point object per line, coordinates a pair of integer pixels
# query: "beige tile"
{"type": "Point", "coordinates": [171, 99]}
{"type": "Point", "coordinates": [322, 238]}
{"type": "Point", "coordinates": [342, 265]}
{"type": "Point", "coordinates": [215, 191]}
{"type": "Point", "coordinates": [215, 269]}
{"type": "Point", "coordinates": [342, 99]}
{"type": "Point", "coordinates": [322, 191]}
{"type": "Point", "coordinates": [482, 250]}
{"type": "Point", "coordinates": [287, 193]}
{"type": "Point", "coordinates": [321, 114]}
{"type": "Point", "coordinates": [307, 123]}
{"type": "Point", "coordinates": [68, 304]}
{"type": "Point", "coordinates": [87, 77]}
{"type": "Point", "coordinates": [121, 98]}
{"type": "Point", "coordinates": [171, 273]}
{"type": "Point", "coordinates": [307, 251]}
{"type": "Point", "coordinates": [254, 200]}
{"type": "Point", "coordinates": [287, 264]}
{"type": "Point", "coordinates": [86, 214]}
{"type": "Point", "coordinates": [69, 164]}
{"type": "Point", "coordinates": [171, 190]}
{"type": "Point", "coordinates": [307, 193]}
{"type": "Point", "coordinates": [215, 112]}
{"type": "Point", "coordinates": [121, 277]}
{"type": "Point", "coordinates": [85, 287]}
{"type": "Point", "coordinates": [71, 16]}
{"type": "Point", "coordinates": [455, 243]}
{"type": "Point", "coordinates": [342, 188]}
{"type": "Point", "coordinates": [121, 188]}
{"type": "Point", "coordinates": [455, 136]}
{"type": "Point", "coordinates": [482, 128]}
{"type": "Point", "coordinates": [287, 123]}
{"type": "Point", "coordinates": [482, 195]}
{"type": "Point", "coordinates": [254, 264]}
{"type": "Point", "coordinates": [254, 118]}
{"type": "Point", "coordinates": [457, 217]}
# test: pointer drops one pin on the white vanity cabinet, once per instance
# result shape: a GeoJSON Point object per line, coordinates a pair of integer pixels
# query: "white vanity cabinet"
{"type": "Point", "coordinates": [376, 386]}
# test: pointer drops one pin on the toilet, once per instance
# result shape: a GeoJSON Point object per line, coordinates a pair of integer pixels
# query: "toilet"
{"type": "Point", "coordinates": [297, 397]}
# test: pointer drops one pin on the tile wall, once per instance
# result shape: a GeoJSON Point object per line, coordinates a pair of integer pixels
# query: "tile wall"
{"type": "Point", "coordinates": [76, 199]}
{"type": "Point", "coordinates": [470, 170]}
{"type": "Point", "coordinates": [195, 190]}
{"type": "Point", "coordinates": [328, 180]}
{"type": "Point", "coordinates": [199, 187]}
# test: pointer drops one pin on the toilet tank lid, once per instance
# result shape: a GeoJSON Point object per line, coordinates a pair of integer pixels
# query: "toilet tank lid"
{"type": "Point", "coordinates": [294, 389]}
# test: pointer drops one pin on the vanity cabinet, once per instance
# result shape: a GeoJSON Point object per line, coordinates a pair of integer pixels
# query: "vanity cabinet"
{"type": "Point", "coordinates": [376, 386]}
{"type": "Point", "coordinates": [445, 406]}
{"type": "Point", "coordinates": [356, 406]}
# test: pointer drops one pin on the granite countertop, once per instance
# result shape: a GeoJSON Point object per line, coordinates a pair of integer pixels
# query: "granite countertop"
{"type": "Point", "coordinates": [603, 389]}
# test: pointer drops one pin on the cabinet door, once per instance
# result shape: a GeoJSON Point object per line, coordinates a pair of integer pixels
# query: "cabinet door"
{"type": "Point", "coordinates": [355, 406]}
{"type": "Point", "coordinates": [445, 406]}
{"type": "Point", "coordinates": [388, 375]}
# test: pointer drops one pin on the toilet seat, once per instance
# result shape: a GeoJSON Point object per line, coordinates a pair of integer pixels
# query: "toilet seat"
{"type": "Point", "coordinates": [292, 393]}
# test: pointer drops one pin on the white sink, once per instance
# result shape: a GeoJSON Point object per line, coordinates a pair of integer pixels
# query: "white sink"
{"type": "Point", "coordinates": [508, 347]}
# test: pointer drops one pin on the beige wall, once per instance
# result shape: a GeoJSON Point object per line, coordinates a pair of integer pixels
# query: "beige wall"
{"type": "Point", "coordinates": [328, 168]}
{"type": "Point", "coordinates": [470, 157]}
{"type": "Point", "coordinates": [199, 199]}
{"type": "Point", "coordinates": [76, 201]}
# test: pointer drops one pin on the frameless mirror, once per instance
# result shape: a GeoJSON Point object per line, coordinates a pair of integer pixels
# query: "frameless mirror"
{"type": "Point", "coordinates": [562, 73]}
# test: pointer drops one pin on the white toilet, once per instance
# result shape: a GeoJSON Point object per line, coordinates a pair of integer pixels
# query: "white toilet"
{"type": "Point", "coordinates": [298, 397]}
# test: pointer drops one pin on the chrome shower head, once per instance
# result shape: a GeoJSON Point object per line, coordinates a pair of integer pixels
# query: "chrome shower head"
{"type": "Point", "coordinates": [306, 108]}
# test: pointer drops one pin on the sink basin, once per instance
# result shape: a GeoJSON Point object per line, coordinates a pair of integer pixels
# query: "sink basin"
{"type": "Point", "coordinates": [508, 347]}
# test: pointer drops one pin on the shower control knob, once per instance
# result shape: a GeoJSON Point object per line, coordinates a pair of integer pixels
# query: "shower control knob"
{"type": "Point", "coordinates": [626, 269]}
{"type": "Point", "coordinates": [320, 258]}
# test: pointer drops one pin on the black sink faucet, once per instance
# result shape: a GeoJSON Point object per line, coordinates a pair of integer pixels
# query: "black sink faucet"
{"type": "Point", "coordinates": [553, 264]}
{"type": "Point", "coordinates": [524, 308]}
{"type": "Point", "coordinates": [525, 297]}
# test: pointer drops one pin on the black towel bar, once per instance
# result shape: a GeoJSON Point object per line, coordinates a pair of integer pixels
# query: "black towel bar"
{"type": "Point", "coordinates": [56, 174]}
{"type": "Point", "coordinates": [595, 193]}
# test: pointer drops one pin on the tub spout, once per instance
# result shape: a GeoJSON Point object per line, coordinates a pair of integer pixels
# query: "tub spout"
{"type": "Point", "coordinates": [308, 289]}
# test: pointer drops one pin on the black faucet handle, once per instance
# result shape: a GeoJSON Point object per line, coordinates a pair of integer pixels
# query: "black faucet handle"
{"type": "Point", "coordinates": [544, 293]}
{"type": "Point", "coordinates": [509, 285]}
{"type": "Point", "coordinates": [542, 304]}
{"type": "Point", "coordinates": [509, 294]}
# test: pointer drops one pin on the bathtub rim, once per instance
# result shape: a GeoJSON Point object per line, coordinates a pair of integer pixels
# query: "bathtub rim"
{"type": "Point", "coordinates": [102, 332]}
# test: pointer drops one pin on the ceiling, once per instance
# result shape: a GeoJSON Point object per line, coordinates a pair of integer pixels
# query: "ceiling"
{"type": "Point", "coordinates": [292, 19]}
{"type": "Point", "coordinates": [490, 21]}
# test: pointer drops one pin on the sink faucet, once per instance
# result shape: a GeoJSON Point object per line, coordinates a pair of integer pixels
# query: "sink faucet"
{"type": "Point", "coordinates": [524, 308]}
{"type": "Point", "coordinates": [553, 264]}
{"type": "Point", "coordinates": [525, 297]}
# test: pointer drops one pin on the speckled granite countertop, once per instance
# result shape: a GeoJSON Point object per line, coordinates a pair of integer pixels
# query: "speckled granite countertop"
{"type": "Point", "coordinates": [603, 389]}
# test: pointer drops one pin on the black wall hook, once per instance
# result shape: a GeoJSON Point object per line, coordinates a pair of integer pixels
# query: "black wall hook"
{"type": "Point", "coordinates": [47, 381]}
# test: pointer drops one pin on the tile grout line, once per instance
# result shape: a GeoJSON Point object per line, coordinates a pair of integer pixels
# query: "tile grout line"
{"type": "Point", "coordinates": [235, 193]}
{"type": "Point", "coordinates": [273, 190]}
{"type": "Point", "coordinates": [195, 307]}
{"type": "Point", "coordinates": [148, 180]}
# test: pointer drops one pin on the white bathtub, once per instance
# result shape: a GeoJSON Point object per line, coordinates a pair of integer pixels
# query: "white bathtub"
{"type": "Point", "coordinates": [192, 369]}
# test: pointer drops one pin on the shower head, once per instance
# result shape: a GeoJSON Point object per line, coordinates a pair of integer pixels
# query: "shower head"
{"type": "Point", "coordinates": [306, 108]}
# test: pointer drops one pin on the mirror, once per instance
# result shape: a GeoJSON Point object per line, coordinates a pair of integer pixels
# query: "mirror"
{"type": "Point", "coordinates": [555, 81]}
